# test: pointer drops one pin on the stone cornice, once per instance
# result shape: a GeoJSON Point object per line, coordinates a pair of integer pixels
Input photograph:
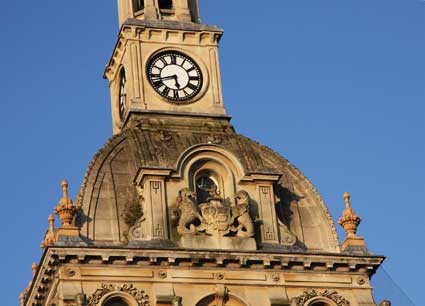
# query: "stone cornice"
{"type": "Point", "coordinates": [173, 25]}
{"type": "Point", "coordinates": [255, 260]}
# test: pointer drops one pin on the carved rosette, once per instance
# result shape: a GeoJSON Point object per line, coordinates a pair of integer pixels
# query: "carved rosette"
{"type": "Point", "coordinates": [139, 295]}
{"type": "Point", "coordinates": [308, 295]}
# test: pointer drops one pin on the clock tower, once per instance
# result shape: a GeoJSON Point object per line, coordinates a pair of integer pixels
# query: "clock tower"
{"type": "Point", "coordinates": [164, 61]}
{"type": "Point", "coordinates": [177, 209]}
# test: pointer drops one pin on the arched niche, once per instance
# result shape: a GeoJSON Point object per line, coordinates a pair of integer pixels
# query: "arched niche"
{"type": "Point", "coordinates": [213, 165]}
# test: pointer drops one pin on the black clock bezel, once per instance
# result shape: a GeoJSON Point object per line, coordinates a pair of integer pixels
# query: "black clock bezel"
{"type": "Point", "coordinates": [122, 94]}
{"type": "Point", "coordinates": [175, 99]}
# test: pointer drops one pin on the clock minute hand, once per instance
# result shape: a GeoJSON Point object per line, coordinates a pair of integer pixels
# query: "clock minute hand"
{"type": "Point", "coordinates": [170, 77]}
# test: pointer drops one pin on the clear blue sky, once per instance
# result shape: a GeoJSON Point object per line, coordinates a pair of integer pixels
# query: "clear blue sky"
{"type": "Point", "coordinates": [343, 100]}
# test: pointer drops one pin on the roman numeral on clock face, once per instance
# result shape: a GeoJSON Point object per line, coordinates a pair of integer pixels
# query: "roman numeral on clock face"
{"type": "Point", "coordinates": [157, 83]}
{"type": "Point", "coordinates": [192, 86]}
{"type": "Point", "coordinates": [173, 59]}
{"type": "Point", "coordinates": [166, 91]}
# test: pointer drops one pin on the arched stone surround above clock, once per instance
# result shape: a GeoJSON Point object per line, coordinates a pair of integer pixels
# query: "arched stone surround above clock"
{"type": "Point", "coordinates": [174, 155]}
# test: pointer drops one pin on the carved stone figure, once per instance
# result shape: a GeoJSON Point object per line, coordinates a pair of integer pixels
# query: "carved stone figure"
{"type": "Point", "coordinates": [214, 218]}
{"type": "Point", "coordinates": [245, 227]}
{"type": "Point", "coordinates": [189, 212]}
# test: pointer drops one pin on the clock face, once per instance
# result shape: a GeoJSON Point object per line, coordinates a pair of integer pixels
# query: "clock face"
{"type": "Point", "coordinates": [122, 99]}
{"type": "Point", "coordinates": [175, 76]}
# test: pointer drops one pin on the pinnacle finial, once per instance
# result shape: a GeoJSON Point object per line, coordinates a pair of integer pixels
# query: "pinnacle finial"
{"type": "Point", "coordinates": [350, 222]}
{"type": "Point", "coordinates": [66, 210]}
{"type": "Point", "coordinates": [22, 297]}
{"type": "Point", "coordinates": [34, 268]}
{"type": "Point", "coordinates": [50, 237]}
{"type": "Point", "coordinates": [51, 220]}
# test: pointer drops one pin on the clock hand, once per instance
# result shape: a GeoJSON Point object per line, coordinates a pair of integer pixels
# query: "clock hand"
{"type": "Point", "coordinates": [177, 82]}
{"type": "Point", "coordinates": [170, 77]}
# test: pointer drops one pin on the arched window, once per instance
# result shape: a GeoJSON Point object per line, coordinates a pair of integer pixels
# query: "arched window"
{"type": "Point", "coordinates": [165, 4]}
{"type": "Point", "coordinates": [115, 302]}
{"type": "Point", "coordinates": [139, 5]}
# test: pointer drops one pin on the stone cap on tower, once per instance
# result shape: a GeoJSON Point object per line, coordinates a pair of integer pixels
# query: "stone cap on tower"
{"type": "Point", "coordinates": [178, 10]}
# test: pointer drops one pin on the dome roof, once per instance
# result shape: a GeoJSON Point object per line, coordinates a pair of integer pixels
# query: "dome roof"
{"type": "Point", "coordinates": [109, 182]}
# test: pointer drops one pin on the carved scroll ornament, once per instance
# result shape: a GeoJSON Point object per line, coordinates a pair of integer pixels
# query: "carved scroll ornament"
{"type": "Point", "coordinates": [310, 294]}
{"type": "Point", "coordinates": [139, 295]}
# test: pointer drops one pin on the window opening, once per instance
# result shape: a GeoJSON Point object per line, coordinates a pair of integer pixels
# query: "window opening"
{"type": "Point", "coordinates": [165, 4]}
{"type": "Point", "coordinates": [140, 5]}
{"type": "Point", "coordinates": [205, 183]}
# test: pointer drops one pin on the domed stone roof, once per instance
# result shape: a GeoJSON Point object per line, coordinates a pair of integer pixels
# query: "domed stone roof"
{"type": "Point", "coordinates": [161, 144]}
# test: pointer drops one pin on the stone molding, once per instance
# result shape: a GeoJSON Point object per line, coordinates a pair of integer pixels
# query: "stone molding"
{"type": "Point", "coordinates": [309, 295]}
{"type": "Point", "coordinates": [273, 261]}
{"type": "Point", "coordinates": [269, 259]}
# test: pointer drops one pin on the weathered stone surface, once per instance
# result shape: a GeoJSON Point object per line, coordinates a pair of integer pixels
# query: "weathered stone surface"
{"type": "Point", "coordinates": [167, 143]}
{"type": "Point", "coordinates": [224, 243]}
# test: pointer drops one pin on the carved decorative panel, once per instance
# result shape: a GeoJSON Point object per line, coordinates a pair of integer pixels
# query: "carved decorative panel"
{"type": "Point", "coordinates": [139, 295]}
{"type": "Point", "coordinates": [310, 294]}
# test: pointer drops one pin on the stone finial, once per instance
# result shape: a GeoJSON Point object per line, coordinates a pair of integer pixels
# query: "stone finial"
{"type": "Point", "coordinates": [66, 210]}
{"type": "Point", "coordinates": [34, 268]}
{"type": "Point", "coordinates": [350, 222]}
{"type": "Point", "coordinates": [50, 237]}
{"type": "Point", "coordinates": [23, 297]}
{"type": "Point", "coordinates": [385, 303]}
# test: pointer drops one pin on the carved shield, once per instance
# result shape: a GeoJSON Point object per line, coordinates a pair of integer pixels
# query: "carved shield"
{"type": "Point", "coordinates": [218, 219]}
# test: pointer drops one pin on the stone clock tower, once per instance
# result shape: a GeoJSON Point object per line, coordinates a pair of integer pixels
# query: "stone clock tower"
{"type": "Point", "coordinates": [177, 208]}
{"type": "Point", "coordinates": [164, 62]}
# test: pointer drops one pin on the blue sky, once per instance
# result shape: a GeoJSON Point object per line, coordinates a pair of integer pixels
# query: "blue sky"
{"type": "Point", "coordinates": [337, 87]}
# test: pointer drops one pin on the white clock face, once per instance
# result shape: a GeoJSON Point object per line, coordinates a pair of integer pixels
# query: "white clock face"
{"type": "Point", "coordinates": [175, 76]}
